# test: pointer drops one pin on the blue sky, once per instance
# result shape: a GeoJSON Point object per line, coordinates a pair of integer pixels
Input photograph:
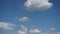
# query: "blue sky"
{"type": "Point", "coordinates": [29, 16]}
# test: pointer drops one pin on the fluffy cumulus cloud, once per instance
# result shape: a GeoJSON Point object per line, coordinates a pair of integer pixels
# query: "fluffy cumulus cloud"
{"type": "Point", "coordinates": [38, 4]}
{"type": "Point", "coordinates": [23, 30]}
{"type": "Point", "coordinates": [24, 19]}
{"type": "Point", "coordinates": [34, 31]}
{"type": "Point", "coordinates": [7, 26]}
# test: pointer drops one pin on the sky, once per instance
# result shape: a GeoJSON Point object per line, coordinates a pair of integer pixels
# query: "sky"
{"type": "Point", "coordinates": [29, 16]}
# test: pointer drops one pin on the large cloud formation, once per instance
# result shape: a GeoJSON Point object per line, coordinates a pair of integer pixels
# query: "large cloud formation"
{"type": "Point", "coordinates": [38, 4]}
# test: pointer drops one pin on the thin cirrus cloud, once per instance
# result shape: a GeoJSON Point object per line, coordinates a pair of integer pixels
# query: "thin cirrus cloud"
{"type": "Point", "coordinates": [23, 30]}
{"type": "Point", "coordinates": [38, 4]}
{"type": "Point", "coordinates": [58, 32]}
{"type": "Point", "coordinates": [24, 19]}
{"type": "Point", "coordinates": [53, 29]}
{"type": "Point", "coordinates": [7, 26]}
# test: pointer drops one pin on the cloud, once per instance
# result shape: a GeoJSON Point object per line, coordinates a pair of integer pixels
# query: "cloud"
{"type": "Point", "coordinates": [53, 29]}
{"type": "Point", "coordinates": [58, 32]}
{"type": "Point", "coordinates": [7, 26]}
{"type": "Point", "coordinates": [34, 31]}
{"type": "Point", "coordinates": [38, 4]}
{"type": "Point", "coordinates": [24, 19]}
{"type": "Point", "coordinates": [23, 30]}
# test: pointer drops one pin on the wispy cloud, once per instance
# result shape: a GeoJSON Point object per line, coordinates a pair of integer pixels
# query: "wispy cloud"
{"type": "Point", "coordinates": [58, 32]}
{"type": "Point", "coordinates": [38, 4]}
{"type": "Point", "coordinates": [23, 30]}
{"type": "Point", "coordinates": [7, 26]}
{"type": "Point", "coordinates": [52, 29]}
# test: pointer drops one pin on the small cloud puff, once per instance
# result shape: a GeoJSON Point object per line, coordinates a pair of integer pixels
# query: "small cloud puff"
{"type": "Point", "coordinates": [34, 31]}
{"type": "Point", "coordinates": [24, 19]}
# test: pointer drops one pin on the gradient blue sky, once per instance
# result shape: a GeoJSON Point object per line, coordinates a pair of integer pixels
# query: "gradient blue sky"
{"type": "Point", "coordinates": [43, 20]}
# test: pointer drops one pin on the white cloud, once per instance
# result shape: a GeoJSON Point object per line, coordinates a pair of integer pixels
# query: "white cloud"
{"type": "Point", "coordinates": [24, 19]}
{"type": "Point", "coordinates": [23, 30]}
{"type": "Point", "coordinates": [38, 4]}
{"type": "Point", "coordinates": [7, 26]}
{"type": "Point", "coordinates": [34, 31]}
